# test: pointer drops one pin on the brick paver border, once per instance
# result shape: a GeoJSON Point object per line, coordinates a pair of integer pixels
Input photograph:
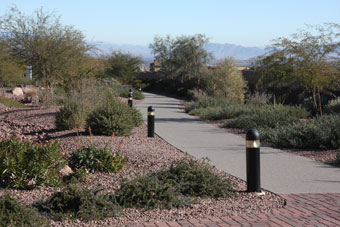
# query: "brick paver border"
{"type": "Point", "coordinates": [300, 210]}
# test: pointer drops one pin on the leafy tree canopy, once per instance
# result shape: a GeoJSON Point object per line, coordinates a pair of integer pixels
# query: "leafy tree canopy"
{"type": "Point", "coordinates": [56, 52]}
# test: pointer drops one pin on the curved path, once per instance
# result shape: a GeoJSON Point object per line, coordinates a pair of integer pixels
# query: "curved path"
{"type": "Point", "coordinates": [281, 172]}
{"type": "Point", "coordinates": [311, 189]}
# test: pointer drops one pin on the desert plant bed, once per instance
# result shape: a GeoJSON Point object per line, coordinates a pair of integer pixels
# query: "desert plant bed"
{"type": "Point", "coordinates": [144, 157]}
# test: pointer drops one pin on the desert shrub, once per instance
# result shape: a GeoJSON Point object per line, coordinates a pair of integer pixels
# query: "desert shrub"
{"type": "Point", "coordinates": [319, 133]}
{"type": "Point", "coordinates": [14, 214]}
{"type": "Point", "coordinates": [193, 178]}
{"type": "Point", "coordinates": [123, 91]}
{"type": "Point", "coordinates": [149, 192]}
{"type": "Point", "coordinates": [173, 187]}
{"type": "Point", "coordinates": [226, 81]}
{"type": "Point", "coordinates": [137, 117]}
{"type": "Point", "coordinates": [72, 115]}
{"type": "Point", "coordinates": [333, 106]}
{"type": "Point", "coordinates": [77, 104]}
{"type": "Point", "coordinates": [113, 116]}
{"type": "Point", "coordinates": [78, 175]}
{"type": "Point", "coordinates": [225, 111]}
{"type": "Point", "coordinates": [269, 116]}
{"type": "Point", "coordinates": [259, 98]}
{"type": "Point", "coordinates": [94, 159]}
{"type": "Point", "coordinates": [25, 165]}
{"type": "Point", "coordinates": [78, 203]}
{"type": "Point", "coordinates": [11, 103]}
{"type": "Point", "coordinates": [204, 102]}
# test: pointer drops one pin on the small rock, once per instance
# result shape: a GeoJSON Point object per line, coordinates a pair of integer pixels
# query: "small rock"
{"type": "Point", "coordinates": [66, 171]}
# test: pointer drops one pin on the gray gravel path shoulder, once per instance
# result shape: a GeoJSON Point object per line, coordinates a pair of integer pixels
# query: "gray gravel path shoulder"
{"type": "Point", "coordinates": [281, 172]}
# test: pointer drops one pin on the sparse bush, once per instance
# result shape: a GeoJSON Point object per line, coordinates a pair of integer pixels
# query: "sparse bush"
{"type": "Point", "coordinates": [205, 102]}
{"type": "Point", "coordinates": [96, 160]}
{"type": "Point", "coordinates": [123, 91]}
{"type": "Point", "coordinates": [113, 117]}
{"type": "Point", "coordinates": [149, 192]}
{"type": "Point", "coordinates": [14, 214]}
{"type": "Point", "coordinates": [226, 81]}
{"type": "Point", "coordinates": [137, 117]}
{"type": "Point", "coordinates": [72, 115]}
{"type": "Point", "coordinates": [78, 175]}
{"type": "Point", "coordinates": [226, 111]}
{"type": "Point", "coordinates": [269, 116]}
{"type": "Point", "coordinates": [259, 98]}
{"type": "Point", "coordinates": [318, 133]}
{"type": "Point", "coordinates": [174, 187]}
{"type": "Point", "coordinates": [25, 165]}
{"type": "Point", "coordinates": [333, 106]}
{"type": "Point", "coordinates": [11, 103]}
{"type": "Point", "coordinates": [76, 203]}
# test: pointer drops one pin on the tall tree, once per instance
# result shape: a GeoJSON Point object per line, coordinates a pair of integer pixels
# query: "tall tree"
{"type": "Point", "coordinates": [55, 52]}
{"type": "Point", "coordinates": [308, 57]}
{"type": "Point", "coordinates": [182, 58]}
{"type": "Point", "coordinates": [123, 67]}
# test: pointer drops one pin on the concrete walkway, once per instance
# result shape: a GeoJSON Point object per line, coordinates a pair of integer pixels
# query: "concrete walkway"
{"type": "Point", "coordinates": [281, 172]}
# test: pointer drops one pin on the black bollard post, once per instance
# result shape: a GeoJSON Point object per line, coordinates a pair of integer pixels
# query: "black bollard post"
{"type": "Point", "coordinates": [130, 99]}
{"type": "Point", "coordinates": [253, 161]}
{"type": "Point", "coordinates": [151, 122]}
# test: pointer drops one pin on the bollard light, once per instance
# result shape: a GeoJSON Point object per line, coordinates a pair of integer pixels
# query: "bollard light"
{"type": "Point", "coordinates": [253, 161]}
{"type": "Point", "coordinates": [130, 99]}
{"type": "Point", "coordinates": [151, 122]}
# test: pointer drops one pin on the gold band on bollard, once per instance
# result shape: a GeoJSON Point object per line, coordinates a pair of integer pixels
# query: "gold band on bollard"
{"type": "Point", "coordinates": [151, 113]}
{"type": "Point", "coordinates": [252, 143]}
{"type": "Point", "coordinates": [130, 98]}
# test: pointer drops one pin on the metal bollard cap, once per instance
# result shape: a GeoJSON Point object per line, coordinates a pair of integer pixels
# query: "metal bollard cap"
{"type": "Point", "coordinates": [150, 109]}
{"type": "Point", "coordinates": [252, 134]}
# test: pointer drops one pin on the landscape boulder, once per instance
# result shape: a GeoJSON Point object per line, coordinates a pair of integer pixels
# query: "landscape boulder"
{"type": "Point", "coordinates": [17, 91]}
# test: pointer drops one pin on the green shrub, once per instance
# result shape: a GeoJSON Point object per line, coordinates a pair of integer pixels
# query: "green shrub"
{"type": "Point", "coordinates": [76, 203]}
{"type": "Point", "coordinates": [174, 187]}
{"type": "Point", "coordinates": [25, 165]}
{"type": "Point", "coordinates": [226, 81]}
{"type": "Point", "coordinates": [259, 98]}
{"type": "Point", "coordinates": [333, 106]}
{"type": "Point", "coordinates": [123, 91]}
{"type": "Point", "coordinates": [192, 178]}
{"type": "Point", "coordinates": [11, 103]}
{"type": "Point", "coordinates": [318, 133]}
{"type": "Point", "coordinates": [14, 214]}
{"type": "Point", "coordinates": [205, 102]}
{"type": "Point", "coordinates": [72, 115]}
{"type": "Point", "coordinates": [149, 192]}
{"type": "Point", "coordinates": [226, 111]}
{"type": "Point", "coordinates": [268, 116]}
{"type": "Point", "coordinates": [113, 117]}
{"type": "Point", "coordinates": [96, 160]}
{"type": "Point", "coordinates": [78, 176]}
{"type": "Point", "coordinates": [137, 117]}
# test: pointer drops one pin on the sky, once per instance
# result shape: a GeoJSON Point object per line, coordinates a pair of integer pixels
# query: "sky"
{"type": "Point", "coordinates": [241, 22]}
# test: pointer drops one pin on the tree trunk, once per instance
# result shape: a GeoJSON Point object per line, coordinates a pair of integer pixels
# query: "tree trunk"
{"type": "Point", "coordinates": [319, 97]}
{"type": "Point", "coordinates": [315, 105]}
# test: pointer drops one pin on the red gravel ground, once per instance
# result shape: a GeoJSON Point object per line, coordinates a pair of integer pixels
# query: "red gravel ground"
{"type": "Point", "coordinates": [143, 155]}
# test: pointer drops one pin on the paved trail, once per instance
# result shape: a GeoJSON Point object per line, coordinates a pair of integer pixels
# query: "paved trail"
{"type": "Point", "coordinates": [281, 172]}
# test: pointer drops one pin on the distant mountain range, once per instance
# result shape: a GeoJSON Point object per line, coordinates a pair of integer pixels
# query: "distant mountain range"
{"type": "Point", "coordinates": [219, 51]}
